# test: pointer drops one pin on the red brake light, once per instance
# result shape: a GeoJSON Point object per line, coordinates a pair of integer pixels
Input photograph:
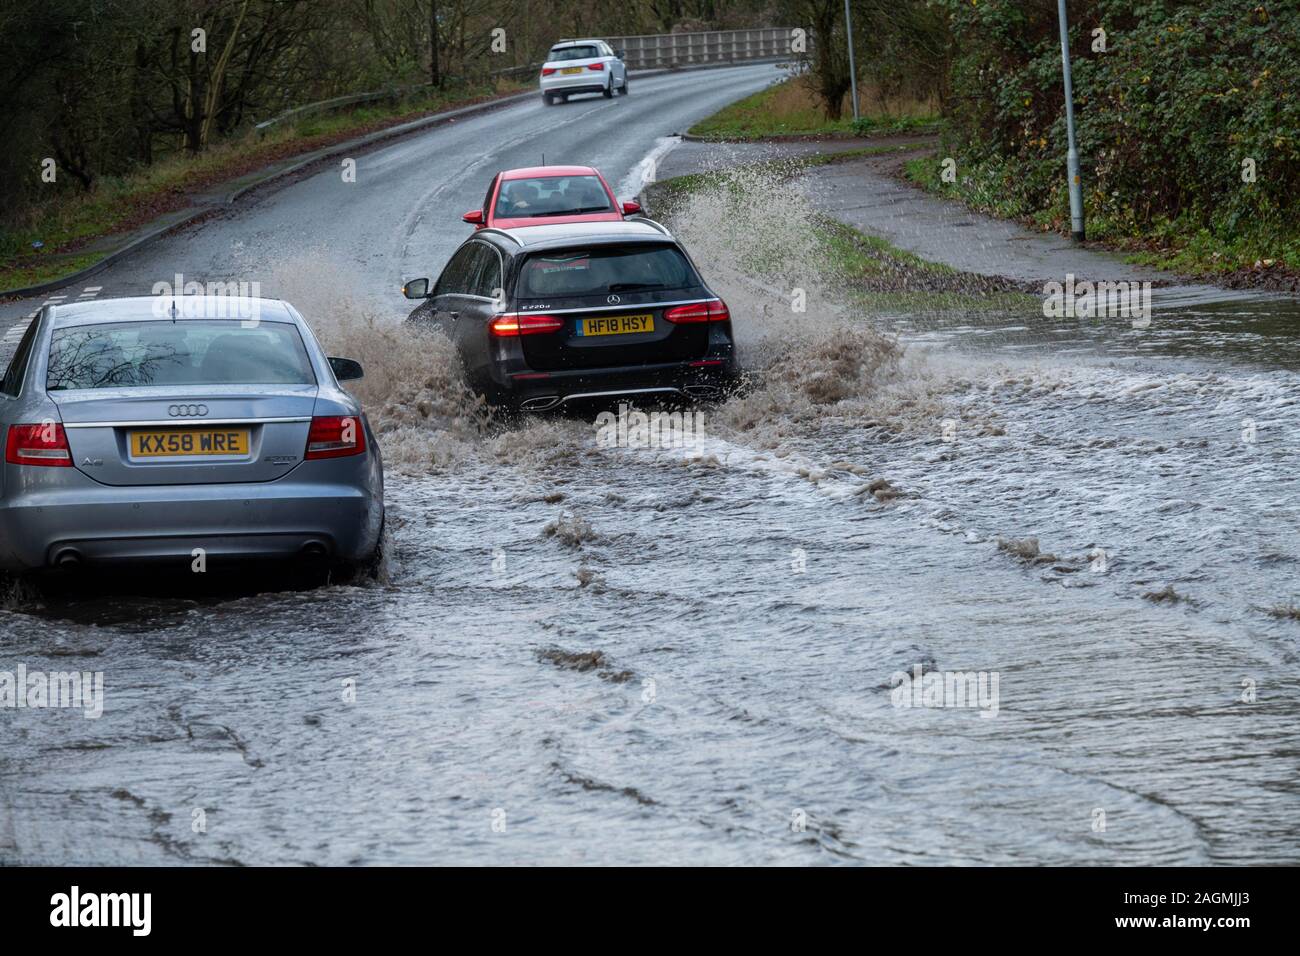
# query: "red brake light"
{"type": "Point", "coordinates": [713, 311]}
{"type": "Point", "coordinates": [520, 323]}
{"type": "Point", "coordinates": [43, 444]}
{"type": "Point", "coordinates": [595, 66]}
{"type": "Point", "coordinates": [334, 436]}
{"type": "Point", "coordinates": [548, 70]}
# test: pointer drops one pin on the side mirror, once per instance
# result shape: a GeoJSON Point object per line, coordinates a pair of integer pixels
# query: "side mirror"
{"type": "Point", "coordinates": [346, 370]}
{"type": "Point", "coordinates": [416, 289]}
{"type": "Point", "coordinates": [619, 54]}
{"type": "Point", "coordinates": [631, 208]}
{"type": "Point", "coordinates": [474, 217]}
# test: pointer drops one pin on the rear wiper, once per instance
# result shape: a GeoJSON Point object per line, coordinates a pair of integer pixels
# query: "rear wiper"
{"type": "Point", "coordinates": [629, 286]}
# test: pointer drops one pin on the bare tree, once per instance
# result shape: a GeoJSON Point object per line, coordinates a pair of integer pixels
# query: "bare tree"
{"type": "Point", "coordinates": [830, 53]}
{"type": "Point", "coordinates": [435, 68]}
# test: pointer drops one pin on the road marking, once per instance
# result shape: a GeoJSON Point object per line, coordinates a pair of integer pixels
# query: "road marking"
{"type": "Point", "coordinates": [644, 172]}
{"type": "Point", "coordinates": [9, 345]}
{"type": "Point", "coordinates": [414, 219]}
{"type": "Point", "coordinates": [16, 331]}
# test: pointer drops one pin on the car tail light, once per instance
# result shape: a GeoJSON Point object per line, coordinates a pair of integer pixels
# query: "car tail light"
{"type": "Point", "coordinates": [712, 311]}
{"type": "Point", "coordinates": [548, 70]}
{"type": "Point", "coordinates": [335, 436]}
{"type": "Point", "coordinates": [516, 323]}
{"type": "Point", "coordinates": [595, 66]}
{"type": "Point", "coordinates": [43, 444]}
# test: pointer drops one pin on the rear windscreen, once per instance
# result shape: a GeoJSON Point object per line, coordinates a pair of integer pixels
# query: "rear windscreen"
{"type": "Point", "coordinates": [604, 270]}
{"type": "Point", "coordinates": [551, 196]}
{"type": "Point", "coordinates": [573, 53]}
{"type": "Point", "coordinates": [188, 352]}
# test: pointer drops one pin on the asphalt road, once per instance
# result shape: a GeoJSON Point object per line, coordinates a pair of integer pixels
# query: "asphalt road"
{"type": "Point", "coordinates": [401, 217]}
{"type": "Point", "coordinates": [632, 655]}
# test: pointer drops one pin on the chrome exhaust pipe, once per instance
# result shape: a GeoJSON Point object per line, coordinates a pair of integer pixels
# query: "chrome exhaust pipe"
{"type": "Point", "coordinates": [314, 550]}
{"type": "Point", "coordinates": [703, 391]}
{"type": "Point", "coordinates": [540, 404]}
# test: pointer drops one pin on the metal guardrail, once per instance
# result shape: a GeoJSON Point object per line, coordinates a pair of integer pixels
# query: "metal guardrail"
{"type": "Point", "coordinates": [335, 103]}
{"type": "Point", "coordinates": [660, 51]}
{"type": "Point", "coordinates": [667, 50]}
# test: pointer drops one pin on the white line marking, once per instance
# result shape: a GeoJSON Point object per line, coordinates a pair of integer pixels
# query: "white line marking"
{"type": "Point", "coordinates": [644, 172]}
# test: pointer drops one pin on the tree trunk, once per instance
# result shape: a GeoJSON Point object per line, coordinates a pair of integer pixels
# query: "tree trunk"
{"type": "Point", "coordinates": [830, 57]}
{"type": "Point", "coordinates": [435, 68]}
{"type": "Point", "coordinates": [192, 116]}
{"type": "Point", "coordinates": [217, 80]}
{"type": "Point", "coordinates": [140, 107]}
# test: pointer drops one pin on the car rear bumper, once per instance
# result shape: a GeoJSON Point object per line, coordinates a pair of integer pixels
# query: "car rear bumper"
{"type": "Point", "coordinates": [703, 379]}
{"type": "Point", "coordinates": [574, 84]}
{"type": "Point", "coordinates": [83, 522]}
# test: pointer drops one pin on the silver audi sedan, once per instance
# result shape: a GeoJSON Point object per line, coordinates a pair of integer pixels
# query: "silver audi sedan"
{"type": "Point", "coordinates": [183, 430]}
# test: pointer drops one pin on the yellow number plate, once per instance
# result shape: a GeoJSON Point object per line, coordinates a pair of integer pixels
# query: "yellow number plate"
{"type": "Point", "coordinates": [617, 325]}
{"type": "Point", "coordinates": [190, 442]}
{"type": "Point", "coordinates": [569, 70]}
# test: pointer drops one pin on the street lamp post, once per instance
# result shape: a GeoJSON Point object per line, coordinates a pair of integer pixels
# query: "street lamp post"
{"type": "Point", "coordinates": [1072, 158]}
{"type": "Point", "coordinates": [853, 69]}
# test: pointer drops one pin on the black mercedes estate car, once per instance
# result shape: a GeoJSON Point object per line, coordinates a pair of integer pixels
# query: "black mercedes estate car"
{"type": "Point", "coordinates": [549, 314]}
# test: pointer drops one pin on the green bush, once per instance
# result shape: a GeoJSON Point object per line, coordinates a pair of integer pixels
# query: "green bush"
{"type": "Point", "coordinates": [1183, 93]}
{"type": "Point", "coordinates": [877, 125]}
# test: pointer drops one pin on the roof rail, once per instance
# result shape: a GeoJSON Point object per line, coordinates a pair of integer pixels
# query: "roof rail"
{"type": "Point", "coordinates": [502, 232]}
{"type": "Point", "coordinates": [657, 225]}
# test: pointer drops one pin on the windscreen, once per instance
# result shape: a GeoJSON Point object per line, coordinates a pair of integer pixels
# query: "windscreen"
{"type": "Point", "coordinates": [189, 352]}
{"type": "Point", "coordinates": [572, 53]}
{"type": "Point", "coordinates": [604, 270]}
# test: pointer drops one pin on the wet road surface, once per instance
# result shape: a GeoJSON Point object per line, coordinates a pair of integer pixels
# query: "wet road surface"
{"type": "Point", "coordinates": [581, 654]}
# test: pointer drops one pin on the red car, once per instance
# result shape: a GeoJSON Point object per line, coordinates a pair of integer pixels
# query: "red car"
{"type": "Point", "coordinates": [538, 195]}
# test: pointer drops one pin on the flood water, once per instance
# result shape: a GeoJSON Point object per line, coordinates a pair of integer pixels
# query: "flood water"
{"type": "Point", "coordinates": [581, 654]}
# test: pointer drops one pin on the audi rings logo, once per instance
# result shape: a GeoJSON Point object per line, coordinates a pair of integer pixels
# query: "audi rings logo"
{"type": "Point", "coordinates": [613, 300]}
{"type": "Point", "coordinates": [186, 411]}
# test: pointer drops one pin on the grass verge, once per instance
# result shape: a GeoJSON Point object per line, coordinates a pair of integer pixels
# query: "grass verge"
{"type": "Point", "coordinates": [789, 108]}
{"type": "Point", "coordinates": [879, 276]}
{"type": "Point", "coordinates": [667, 193]}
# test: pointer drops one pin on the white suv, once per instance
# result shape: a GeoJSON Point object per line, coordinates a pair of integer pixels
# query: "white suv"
{"type": "Point", "coordinates": [582, 66]}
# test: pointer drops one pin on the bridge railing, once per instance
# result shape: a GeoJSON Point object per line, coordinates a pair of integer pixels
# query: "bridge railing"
{"type": "Point", "coordinates": [666, 50]}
